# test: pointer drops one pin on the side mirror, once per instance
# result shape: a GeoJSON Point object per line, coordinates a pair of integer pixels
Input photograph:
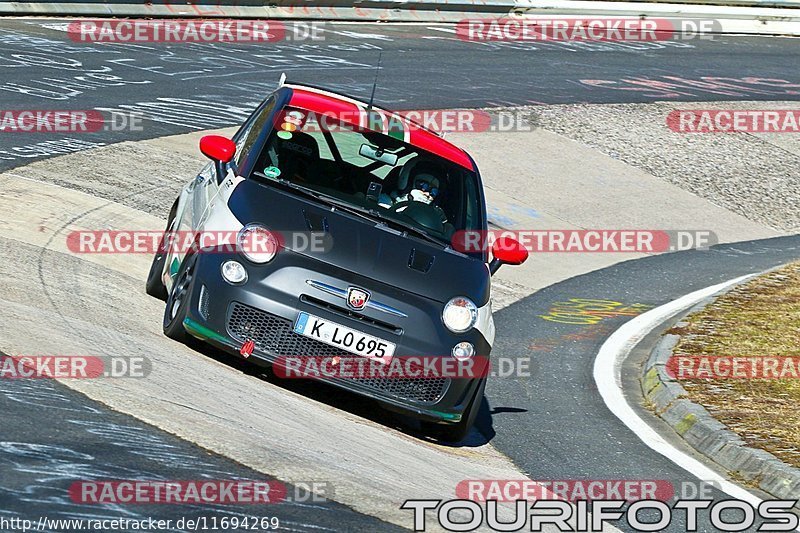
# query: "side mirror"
{"type": "Point", "coordinates": [220, 150]}
{"type": "Point", "coordinates": [507, 251]}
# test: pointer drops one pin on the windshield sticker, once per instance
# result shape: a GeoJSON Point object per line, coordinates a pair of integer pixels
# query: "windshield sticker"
{"type": "Point", "coordinates": [285, 135]}
{"type": "Point", "coordinates": [272, 172]}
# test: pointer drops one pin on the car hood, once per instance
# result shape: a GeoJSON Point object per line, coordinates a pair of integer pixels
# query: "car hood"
{"type": "Point", "coordinates": [359, 246]}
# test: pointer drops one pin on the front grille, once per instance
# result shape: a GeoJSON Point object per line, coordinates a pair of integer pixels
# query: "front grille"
{"type": "Point", "coordinates": [275, 335]}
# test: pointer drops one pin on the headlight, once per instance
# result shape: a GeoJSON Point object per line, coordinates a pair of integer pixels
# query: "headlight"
{"type": "Point", "coordinates": [460, 314]}
{"type": "Point", "coordinates": [257, 243]}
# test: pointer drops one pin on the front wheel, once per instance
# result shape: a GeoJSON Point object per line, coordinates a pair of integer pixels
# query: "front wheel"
{"type": "Point", "coordinates": [154, 286]}
{"type": "Point", "coordinates": [179, 298]}
{"type": "Point", "coordinates": [457, 432]}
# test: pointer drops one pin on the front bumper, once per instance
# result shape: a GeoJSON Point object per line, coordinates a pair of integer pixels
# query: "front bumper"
{"type": "Point", "coordinates": [265, 307]}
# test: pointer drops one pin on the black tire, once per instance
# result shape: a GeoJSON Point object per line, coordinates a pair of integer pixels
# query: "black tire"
{"type": "Point", "coordinates": [154, 286]}
{"type": "Point", "coordinates": [457, 432]}
{"type": "Point", "coordinates": [179, 298]}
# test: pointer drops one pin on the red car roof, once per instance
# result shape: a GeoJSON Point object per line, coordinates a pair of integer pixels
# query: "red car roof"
{"type": "Point", "coordinates": [354, 113]}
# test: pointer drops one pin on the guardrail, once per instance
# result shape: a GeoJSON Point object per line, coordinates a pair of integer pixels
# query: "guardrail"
{"type": "Point", "coordinates": [771, 17]}
{"type": "Point", "coordinates": [731, 18]}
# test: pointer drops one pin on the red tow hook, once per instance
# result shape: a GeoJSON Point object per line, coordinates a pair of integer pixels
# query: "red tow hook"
{"type": "Point", "coordinates": [247, 348]}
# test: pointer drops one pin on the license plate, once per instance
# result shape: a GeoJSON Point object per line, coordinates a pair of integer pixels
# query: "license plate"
{"type": "Point", "coordinates": [343, 337]}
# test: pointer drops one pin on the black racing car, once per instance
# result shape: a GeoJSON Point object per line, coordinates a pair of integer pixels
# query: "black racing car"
{"type": "Point", "coordinates": [331, 225]}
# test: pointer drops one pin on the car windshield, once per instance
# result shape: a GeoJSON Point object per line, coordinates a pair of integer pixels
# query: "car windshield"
{"type": "Point", "coordinates": [372, 172]}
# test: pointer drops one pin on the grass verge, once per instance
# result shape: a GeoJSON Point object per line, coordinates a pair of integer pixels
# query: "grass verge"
{"type": "Point", "coordinates": [758, 319]}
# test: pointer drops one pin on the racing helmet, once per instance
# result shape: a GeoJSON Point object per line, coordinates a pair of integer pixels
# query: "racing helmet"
{"type": "Point", "coordinates": [416, 167]}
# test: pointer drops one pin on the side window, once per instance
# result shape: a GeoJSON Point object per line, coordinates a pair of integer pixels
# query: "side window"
{"type": "Point", "coordinates": [472, 211]}
{"type": "Point", "coordinates": [249, 135]}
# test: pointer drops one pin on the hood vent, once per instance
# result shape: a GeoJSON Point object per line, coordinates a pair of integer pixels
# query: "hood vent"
{"type": "Point", "coordinates": [421, 261]}
{"type": "Point", "coordinates": [316, 221]}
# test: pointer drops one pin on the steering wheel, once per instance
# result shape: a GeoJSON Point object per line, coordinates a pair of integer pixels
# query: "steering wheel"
{"type": "Point", "coordinates": [428, 216]}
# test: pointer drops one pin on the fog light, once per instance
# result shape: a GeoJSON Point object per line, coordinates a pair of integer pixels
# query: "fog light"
{"type": "Point", "coordinates": [463, 350]}
{"type": "Point", "coordinates": [233, 272]}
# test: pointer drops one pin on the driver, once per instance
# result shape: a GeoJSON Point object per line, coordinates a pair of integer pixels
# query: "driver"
{"type": "Point", "coordinates": [425, 189]}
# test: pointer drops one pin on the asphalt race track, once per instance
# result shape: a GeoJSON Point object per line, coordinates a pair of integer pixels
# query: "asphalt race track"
{"type": "Point", "coordinates": [204, 86]}
{"type": "Point", "coordinates": [107, 445]}
{"type": "Point", "coordinates": [558, 427]}
{"type": "Point", "coordinates": [554, 425]}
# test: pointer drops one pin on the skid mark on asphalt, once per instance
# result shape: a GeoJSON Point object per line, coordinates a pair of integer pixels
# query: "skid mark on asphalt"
{"type": "Point", "coordinates": [588, 333]}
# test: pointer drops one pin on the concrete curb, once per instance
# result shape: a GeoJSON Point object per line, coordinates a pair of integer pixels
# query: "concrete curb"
{"type": "Point", "coordinates": [705, 433]}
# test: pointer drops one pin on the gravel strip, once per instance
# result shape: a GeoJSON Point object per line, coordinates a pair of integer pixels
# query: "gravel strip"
{"type": "Point", "coordinates": [754, 175]}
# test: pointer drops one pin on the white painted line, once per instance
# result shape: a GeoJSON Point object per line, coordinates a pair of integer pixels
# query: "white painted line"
{"type": "Point", "coordinates": [607, 376]}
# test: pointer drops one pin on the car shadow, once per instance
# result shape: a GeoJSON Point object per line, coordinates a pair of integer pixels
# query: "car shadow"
{"type": "Point", "coordinates": [482, 433]}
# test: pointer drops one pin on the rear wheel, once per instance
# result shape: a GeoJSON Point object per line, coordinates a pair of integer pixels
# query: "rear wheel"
{"type": "Point", "coordinates": [457, 432]}
{"type": "Point", "coordinates": [154, 286]}
{"type": "Point", "coordinates": [179, 298]}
